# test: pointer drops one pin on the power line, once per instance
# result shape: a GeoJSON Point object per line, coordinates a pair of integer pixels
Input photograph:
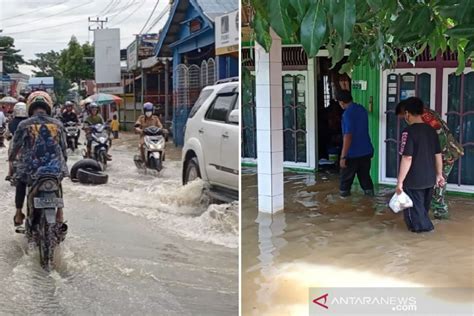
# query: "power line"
{"type": "Point", "coordinates": [124, 9]}
{"type": "Point", "coordinates": [106, 7]}
{"type": "Point", "coordinates": [151, 14]}
{"type": "Point", "coordinates": [158, 19]}
{"type": "Point", "coordinates": [130, 15]}
{"type": "Point", "coordinates": [114, 5]}
{"type": "Point", "coordinates": [35, 10]}
{"type": "Point", "coordinates": [49, 16]}
{"type": "Point", "coordinates": [47, 27]}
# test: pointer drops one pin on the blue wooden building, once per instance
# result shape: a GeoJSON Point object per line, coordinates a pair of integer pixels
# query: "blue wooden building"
{"type": "Point", "coordinates": [188, 37]}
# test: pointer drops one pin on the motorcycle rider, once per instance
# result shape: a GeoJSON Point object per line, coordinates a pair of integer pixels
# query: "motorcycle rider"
{"type": "Point", "coordinates": [145, 120]}
{"type": "Point", "coordinates": [39, 146]}
{"type": "Point", "coordinates": [19, 114]}
{"type": "Point", "coordinates": [92, 119]}
{"type": "Point", "coordinates": [69, 115]}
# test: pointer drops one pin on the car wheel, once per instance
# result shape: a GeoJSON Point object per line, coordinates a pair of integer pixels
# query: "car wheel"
{"type": "Point", "coordinates": [192, 171]}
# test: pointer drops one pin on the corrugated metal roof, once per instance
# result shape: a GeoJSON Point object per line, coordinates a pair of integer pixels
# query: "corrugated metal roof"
{"type": "Point", "coordinates": [214, 8]}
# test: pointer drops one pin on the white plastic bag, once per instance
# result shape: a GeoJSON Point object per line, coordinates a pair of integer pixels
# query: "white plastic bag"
{"type": "Point", "coordinates": [399, 202]}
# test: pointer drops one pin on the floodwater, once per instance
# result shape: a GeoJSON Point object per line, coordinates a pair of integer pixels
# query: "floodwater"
{"type": "Point", "coordinates": [322, 240]}
{"type": "Point", "coordinates": [139, 245]}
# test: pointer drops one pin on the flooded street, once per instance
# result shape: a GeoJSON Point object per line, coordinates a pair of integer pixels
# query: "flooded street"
{"type": "Point", "coordinates": [139, 245]}
{"type": "Point", "coordinates": [322, 240]}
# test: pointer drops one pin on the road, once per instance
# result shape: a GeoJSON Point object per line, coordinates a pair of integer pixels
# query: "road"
{"type": "Point", "coordinates": [139, 245]}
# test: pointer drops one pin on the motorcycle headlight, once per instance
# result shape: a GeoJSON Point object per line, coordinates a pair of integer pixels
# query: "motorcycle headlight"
{"type": "Point", "coordinates": [102, 140]}
{"type": "Point", "coordinates": [49, 186]}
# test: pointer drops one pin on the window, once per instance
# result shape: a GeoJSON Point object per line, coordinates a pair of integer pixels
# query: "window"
{"type": "Point", "coordinates": [460, 119]}
{"type": "Point", "coordinates": [202, 97]}
{"type": "Point", "coordinates": [221, 107]}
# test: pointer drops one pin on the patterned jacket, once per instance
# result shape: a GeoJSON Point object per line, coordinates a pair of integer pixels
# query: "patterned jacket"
{"type": "Point", "coordinates": [39, 147]}
{"type": "Point", "coordinates": [450, 147]}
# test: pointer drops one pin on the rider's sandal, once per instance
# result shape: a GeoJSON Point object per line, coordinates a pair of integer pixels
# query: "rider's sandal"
{"type": "Point", "coordinates": [19, 228]}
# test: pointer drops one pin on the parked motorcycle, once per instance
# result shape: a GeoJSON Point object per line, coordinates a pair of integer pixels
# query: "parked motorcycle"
{"type": "Point", "coordinates": [72, 135]}
{"type": "Point", "coordinates": [154, 145]}
{"type": "Point", "coordinates": [41, 229]}
{"type": "Point", "coordinates": [100, 144]}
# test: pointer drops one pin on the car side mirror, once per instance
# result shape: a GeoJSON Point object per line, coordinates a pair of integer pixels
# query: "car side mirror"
{"type": "Point", "coordinates": [234, 116]}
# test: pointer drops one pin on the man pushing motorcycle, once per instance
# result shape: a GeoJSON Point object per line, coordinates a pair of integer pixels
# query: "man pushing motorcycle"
{"type": "Point", "coordinates": [39, 147]}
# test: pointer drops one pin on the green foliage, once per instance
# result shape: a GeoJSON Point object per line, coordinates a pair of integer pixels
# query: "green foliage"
{"type": "Point", "coordinates": [376, 31]}
{"type": "Point", "coordinates": [11, 59]}
{"type": "Point", "coordinates": [73, 64]}
{"type": "Point", "coordinates": [66, 66]}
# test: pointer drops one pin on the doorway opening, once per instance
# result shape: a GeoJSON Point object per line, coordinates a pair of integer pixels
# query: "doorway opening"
{"type": "Point", "coordinates": [329, 112]}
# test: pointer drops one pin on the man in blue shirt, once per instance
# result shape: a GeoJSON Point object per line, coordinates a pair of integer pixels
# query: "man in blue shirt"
{"type": "Point", "coordinates": [357, 149]}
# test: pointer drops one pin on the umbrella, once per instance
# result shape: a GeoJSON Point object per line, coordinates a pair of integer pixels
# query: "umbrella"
{"type": "Point", "coordinates": [103, 98]}
{"type": "Point", "coordinates": [9, 100]}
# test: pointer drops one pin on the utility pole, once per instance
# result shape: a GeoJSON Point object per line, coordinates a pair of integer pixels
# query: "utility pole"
{"type": "Point", "coordinates": [99, 23]}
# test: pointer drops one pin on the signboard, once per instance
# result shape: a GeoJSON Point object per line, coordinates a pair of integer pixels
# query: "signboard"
{"type": "Point", "coordinates": [146, 45]}
{"type": "Point", "coordinates": [359, 85]}
{"type": "Point", "coordinates": [132, 56]}
{"type": "Point", "coordinates": [107, 55]}
{"type": "Point", "coordinates": [227, 33]}
{"type": "Point", "coordinates": [111, 90]}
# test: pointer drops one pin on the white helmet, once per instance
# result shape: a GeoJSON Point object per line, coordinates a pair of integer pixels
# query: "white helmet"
{"type": "Point", "coordinates": [19, 110]}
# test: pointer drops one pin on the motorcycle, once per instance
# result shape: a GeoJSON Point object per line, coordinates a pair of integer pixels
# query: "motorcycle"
{"type": "Point", "coordinates": [154, 144]}
{"type": "Point", "coordinates": [100, 144]}
{"type": "Point", "coordinates": [41, 229]}
{"type": "Point", "coordinates": [2, 136]}
{"type": "Point", "coordinates": [72, 134]}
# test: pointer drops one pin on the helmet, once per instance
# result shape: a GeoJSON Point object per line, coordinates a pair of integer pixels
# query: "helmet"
{"type": "Point", "coordinates": [69, 103]}
{"type": "Point", "coordinates": [148, 106]}
{"type": "Point", "coordinates": [19, 110]}
{"type": "Point", "coordinates": [93, 105]}
{"type": "Point", "coordinates": [39, 99]}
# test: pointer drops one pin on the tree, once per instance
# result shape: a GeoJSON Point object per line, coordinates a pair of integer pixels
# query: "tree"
{"type": "Point", "coordinates": [72, 62]}
{"type": "Point", "coordinates": [11, 58]}
{"type": "Point", "coordinates": [48, 65]}
{"type": "Point", "coordinates": [376, 31]}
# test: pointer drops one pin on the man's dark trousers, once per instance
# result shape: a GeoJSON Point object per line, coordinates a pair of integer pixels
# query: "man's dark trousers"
{"type": "Point", "coordinates": [359, 166]}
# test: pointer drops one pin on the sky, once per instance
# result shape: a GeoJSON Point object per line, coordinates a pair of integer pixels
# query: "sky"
{"type": "Point", "coordinates": [43, 25]}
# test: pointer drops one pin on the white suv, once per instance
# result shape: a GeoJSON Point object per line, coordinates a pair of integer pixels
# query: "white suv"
{"type": "Point", "coordinates": [211, 141]}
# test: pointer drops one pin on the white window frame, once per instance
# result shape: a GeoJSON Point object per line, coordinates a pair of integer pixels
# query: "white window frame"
{"type": "Point", "coordinates": [291, 164]}
{"type": "Point", "coordinates": [446, 72]}
{"type": "Point", "coordinates": [382, 116]}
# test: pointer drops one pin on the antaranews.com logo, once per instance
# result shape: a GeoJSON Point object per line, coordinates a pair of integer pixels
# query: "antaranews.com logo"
{"type": "Point", "coordinates": [391, 301]}
{"type": "Point", "coordinates": [396, 303]}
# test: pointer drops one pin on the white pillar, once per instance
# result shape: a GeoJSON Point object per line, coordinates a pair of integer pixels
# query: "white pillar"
{"type": "Point", "coordinates": [269, 114]}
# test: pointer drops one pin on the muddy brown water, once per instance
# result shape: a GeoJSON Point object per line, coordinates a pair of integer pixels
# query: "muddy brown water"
{"type": "Point", "coordinates": [322, 240]}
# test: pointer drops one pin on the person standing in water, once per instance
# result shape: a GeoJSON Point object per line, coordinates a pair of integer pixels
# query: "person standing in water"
{"type": "Point", "coordinates": [451, 150]}
{"type": "Point", "coordinates": [357, 149]}
{"type": "Point", "coordinates": [421, 166]}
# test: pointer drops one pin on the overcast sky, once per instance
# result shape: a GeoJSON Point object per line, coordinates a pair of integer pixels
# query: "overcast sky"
{"type": "Point", "coordinates": [42, 25]}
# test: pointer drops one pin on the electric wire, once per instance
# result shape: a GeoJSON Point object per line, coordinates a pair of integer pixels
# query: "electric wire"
{"type": "Point", "coordinates": [149, 17]}
{"type": "Point", "coordinates": [33, 11]}
{"type": "Point", "coordinates": [49, 16]}
{"type": "Point", "coordinates": [130, 15]}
